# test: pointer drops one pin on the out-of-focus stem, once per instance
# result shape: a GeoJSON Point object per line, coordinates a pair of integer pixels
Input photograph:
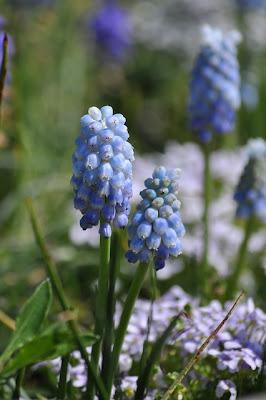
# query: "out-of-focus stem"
{"type": "Point", "coordinates": [62, 385]}
{"type": "Point", "coordinates": [19, 380]}
{"type": "Point", "coordinates": [207, 199]}
{"type": "Point", "coordinates": [240, 260]}
{"type": "Point", "coordinates": [3, 70]}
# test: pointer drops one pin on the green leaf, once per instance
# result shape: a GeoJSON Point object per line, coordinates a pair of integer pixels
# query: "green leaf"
{"type": "Point", "coordinates": [55, 341]}
{"type": "Point", "coordinates": [29, 320]}
{"type": "Point", "coordinates": [144, 377]}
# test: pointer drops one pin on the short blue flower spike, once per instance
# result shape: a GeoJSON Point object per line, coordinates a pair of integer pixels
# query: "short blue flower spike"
{"type": "Point", "coordinates": [215, 84]}
{"type": "Point", "coordinates": [250, 193]}
{"type": "Point", "coordinates": [156, 226]}
{"type": "Point", "coordinates": [102, 170]}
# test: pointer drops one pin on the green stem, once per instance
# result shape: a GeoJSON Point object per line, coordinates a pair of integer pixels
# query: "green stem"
{"type": "Point", "coordinates": [178, 381]}
{"type": "Point", "coordinates": [109, 331]}
{"type": "Point", "coordinates": [124, 320]}
{"type": "Point", "coordinates": [19, 380]}
{"type": "Point", "coordinates": [59, 291]}
{"type": "Point", "coordinates": [240, 260]}
{"type": "Point", "coordinates": [3, 69]}
{"type": "Point", "coordinates": [62, 385]}
{"type": "Point", "coordinates": [207, 198]}
{"type": "Point", "coordinates": [145, 374]}
{"type": "Point", "coordinates": [144, 356]}
{"type": "Point", "coordinates": [101, 302]}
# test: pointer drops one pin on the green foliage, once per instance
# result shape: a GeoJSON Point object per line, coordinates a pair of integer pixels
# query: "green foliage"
{"type": "Point", "coordinates": [55, 341]}
{"type": "Point", "coordinates": [29, 320]}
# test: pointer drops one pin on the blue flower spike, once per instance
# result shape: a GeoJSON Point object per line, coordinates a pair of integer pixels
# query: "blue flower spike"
{"type": "Point", "coordinates": [102, 170]}
{"type": "Point", "coordinates": [250, 193]}
{"type": "Point", "coordinates": [112, 29]}
{"type": "Point", "coordinates": [156, 226]}
{"type": "Point", "coordinates": [215, 84]}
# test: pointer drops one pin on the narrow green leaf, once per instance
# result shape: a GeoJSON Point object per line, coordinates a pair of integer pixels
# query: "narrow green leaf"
{"type": "Point", "coordinates": [55, 341]}
{"type": "Point", "coordinates": [30, 319]}
{"type": "Point", "coordinates": [144, 377]}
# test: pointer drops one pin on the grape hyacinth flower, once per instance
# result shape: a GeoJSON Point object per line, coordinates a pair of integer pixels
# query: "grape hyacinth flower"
{"type": "Point", "coordinates": [156, 227]}
{"type": "Point", "coordinates": [215, 84]}
{"type": "Point", "coordinates": [112, 30]}
{"type": "Point", "coordinates": [250, 193]}
{"type": "Point", "coordinates": [102, 170]}
{"type": "Point", "coordinates": [247, 5]}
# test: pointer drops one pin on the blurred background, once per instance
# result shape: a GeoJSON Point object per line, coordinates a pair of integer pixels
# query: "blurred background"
{"type": "Point", "coordinates": [137, 56]}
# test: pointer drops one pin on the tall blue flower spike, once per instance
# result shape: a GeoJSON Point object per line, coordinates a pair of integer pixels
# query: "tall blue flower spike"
{"type": "Point", "coordinates": [102, 170]}
{"type": "Point", "coordinates": [250, 193]}
{"type": "Point", "coordinates": [215, 84]}
{"type": "Point", "coordinates": [156, 226]}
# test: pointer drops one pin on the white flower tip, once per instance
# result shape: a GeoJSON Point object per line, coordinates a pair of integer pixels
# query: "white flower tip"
{"type": "Point", "coordinates": [95, 113]}
{"type": "Point", "coordinates": [256, 147]}
{"type": "Point", "coordinates": [214, 36]}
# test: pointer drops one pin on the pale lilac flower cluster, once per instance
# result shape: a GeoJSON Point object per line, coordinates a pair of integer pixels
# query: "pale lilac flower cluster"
{"type": "Point", "coordinates": [237, 348]}
{"type": "Point", "coordinates": [102, 170]}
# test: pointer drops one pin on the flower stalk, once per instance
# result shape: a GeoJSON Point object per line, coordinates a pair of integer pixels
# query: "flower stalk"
{"type": "Point", "coordinates": [241, 259]}
{"type": "Point", "coordinates": [207, 199]}
{"type": "Point", "coordinates": [101, 302]}
{"type": "Point", "coordinates": [110, 306]}
{"type": "Point", "coordinates": [62, 385]}
{"type": "Point", "coordinates": [124, 320]}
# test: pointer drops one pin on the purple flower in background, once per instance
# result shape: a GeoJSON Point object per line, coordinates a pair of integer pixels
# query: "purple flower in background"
{"type": "Point", "coordinates": [250, 4]}
{"type": "Point", "coordinates": [11, 47]}
{"type": "Point", "coordinates": [112, 30]}
{"type": "Point", "coordinates": [250, 193]}
{"type": "Point", "coordinates": [215, 84]}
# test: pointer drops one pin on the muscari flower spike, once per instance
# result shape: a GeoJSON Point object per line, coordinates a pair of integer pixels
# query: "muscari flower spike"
{"type": "Point", "coordinates": [112, 30]}
{"type": "Point", "coordinates": [215, 84]}
{"type": "Point", "coordinates": [250, 193]}
{"type": "Point", "coordinates": [102, 170]}
{"type": "Point", "coordinates": [156, 226]}
{"type": "Point", "coordinates": [247, 5]}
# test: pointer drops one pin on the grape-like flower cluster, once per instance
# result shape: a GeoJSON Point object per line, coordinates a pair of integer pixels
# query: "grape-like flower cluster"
{"type": "Point", "coordinates": [156, 226]}
{"type": "Point", "coordinates": [102, 170]}
{"type": "Point", "coordinates": [250, 193]}
{"type": "Point", "coordinates": [112, 29]}
{"type": "Point", "coordinates": [215, 84]}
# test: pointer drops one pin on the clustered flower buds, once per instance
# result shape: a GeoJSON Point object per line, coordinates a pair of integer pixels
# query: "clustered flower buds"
{"type": "Point", "coordinates": [156, 227]}
{"type": "Point", "coordinates": [215, 84]}
{"type": "Point", "coordinates": [250, 193]}
{"type": "Point", "coordinates": [102, 170]}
